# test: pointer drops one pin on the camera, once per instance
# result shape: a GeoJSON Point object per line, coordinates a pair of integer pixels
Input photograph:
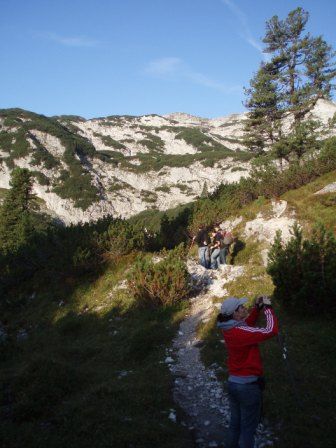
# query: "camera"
{"type": "Point", "coordinates": [262, 301]}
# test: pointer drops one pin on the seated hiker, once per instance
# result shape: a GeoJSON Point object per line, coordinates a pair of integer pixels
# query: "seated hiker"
{"type": "Point", "coordinates": [226, 243]}
{"type": "Point", "coordinates": [220, 237]}
{"type": "Point", "coordinates": [215, 249]}
{"type": "Point", "coordinates": [202, 240]}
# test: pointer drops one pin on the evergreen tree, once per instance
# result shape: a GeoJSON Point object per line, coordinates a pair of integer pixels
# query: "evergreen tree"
{"type": "Point", "coordinates": [15, 214]}
{"type": "Point", "coordinates": [284, 39]}
{"type": "Point", "coordinates": [303, 271]}
{"type": "Point", "coordinates": [205, 191]}
{"type": "Point", "coordinates": [320, 68]}
{"type": "Point", "coordinates": [263, 123]}
{"type": "Point", "coordinates": [300, 72]}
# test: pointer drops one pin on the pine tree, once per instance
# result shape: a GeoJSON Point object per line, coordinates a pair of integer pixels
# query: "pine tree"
{"type": "Point", "coordinates": [264, 119]}
{"type": "Point", "coordinates": [284, 40]}
{"type": "Point", "coordinates": [300, 72]}
{"type": "Point", "coordinates": [320, 67]}
{"type": "Point", "coordinates": [205, 191]}
{"type": "Point", "coordinates": [15, 214]}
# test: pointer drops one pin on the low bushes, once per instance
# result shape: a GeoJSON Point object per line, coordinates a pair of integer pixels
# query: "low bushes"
{"type": "Point", "coordinates": [265, 180]}
{"type": "Point", "coordinates": [303, 271]}
{"type": "Point", "coordinates": [163, 283]}
{"type": "Point", "coordinates": [121, 238]}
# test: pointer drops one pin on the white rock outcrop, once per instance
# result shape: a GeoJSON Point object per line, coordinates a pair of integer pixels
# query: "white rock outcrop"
{"type": "Point", "coordinates": [124, 188]}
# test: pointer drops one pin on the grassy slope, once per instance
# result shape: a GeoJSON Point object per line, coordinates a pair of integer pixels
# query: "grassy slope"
{"type": "Point", "coordinates": [309, 420]}
{"type": "Point", "coordinates": [3, 192]}
{"type": "Point", "coordinates": [313, 208]}
{"type": "Point", "coordinates": [91, 372]}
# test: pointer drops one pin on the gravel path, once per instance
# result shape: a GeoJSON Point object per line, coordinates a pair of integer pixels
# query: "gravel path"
{"type": "Point", "coordinates": [196, 388]}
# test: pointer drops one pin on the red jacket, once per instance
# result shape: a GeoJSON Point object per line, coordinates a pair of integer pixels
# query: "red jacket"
{"type": "Point", "coordinates": [242, 343]}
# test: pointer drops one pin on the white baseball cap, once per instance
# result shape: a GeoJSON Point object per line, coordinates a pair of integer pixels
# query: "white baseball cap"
{"type": "Point", "coordinates": [230, 305]}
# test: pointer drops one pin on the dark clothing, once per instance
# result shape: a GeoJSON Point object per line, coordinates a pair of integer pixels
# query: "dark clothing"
{"type": "Point", "coordinates": [202, 238]}
{"type": "Point", "coordinates": [218, 237]}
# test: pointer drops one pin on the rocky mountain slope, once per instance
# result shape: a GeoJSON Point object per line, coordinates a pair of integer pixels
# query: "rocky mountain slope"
{"type": "Point", "coordinates": [121, 165]}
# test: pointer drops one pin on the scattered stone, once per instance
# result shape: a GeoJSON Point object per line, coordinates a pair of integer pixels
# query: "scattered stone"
{"type": "Point", "coordinates": [199, 393]}
{"type": "Point", "coordinates": [123, 373]}
{"type": "Point", "coordinates": [113, 333]}
{"type": "Point", "coordinates": [3, 333]}
{"type": "Point", "coordinates": [127, 419]}
{"type": "Point", "coordinates": [172, 416]}
{"type": "Point", "coordinates": [169, 360]}
{"type": "Point", "coordinates": [331, 188]}
{"type": "Point", "coordinates": [22, 335]}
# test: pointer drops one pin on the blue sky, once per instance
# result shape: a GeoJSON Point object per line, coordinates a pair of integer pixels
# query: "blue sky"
{"type": "Point", "coordinates": [106, 57]}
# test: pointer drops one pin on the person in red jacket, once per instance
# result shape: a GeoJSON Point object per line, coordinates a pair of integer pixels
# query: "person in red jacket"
{"type": "Point", "coordinates": [244, 364]}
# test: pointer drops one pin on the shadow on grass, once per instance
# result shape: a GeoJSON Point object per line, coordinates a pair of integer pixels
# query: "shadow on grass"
{"type": "Point", "coordinates": [86, 379]}
{"type": "Point", "coordinates": [238, 246]}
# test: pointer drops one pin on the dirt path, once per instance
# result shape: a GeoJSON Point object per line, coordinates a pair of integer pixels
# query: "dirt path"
{"type": "Point", "coordinates": [196, 388]}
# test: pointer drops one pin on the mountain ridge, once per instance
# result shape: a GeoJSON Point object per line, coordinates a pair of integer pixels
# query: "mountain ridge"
{"type": "Point", "coordinates": [122, 165]}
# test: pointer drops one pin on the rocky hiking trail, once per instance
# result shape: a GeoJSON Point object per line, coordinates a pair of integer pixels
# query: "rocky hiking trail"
{"type": "Point", "coordinates": [196, 388]}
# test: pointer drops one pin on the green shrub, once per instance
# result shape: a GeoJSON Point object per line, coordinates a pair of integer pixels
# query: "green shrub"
{"type": "Point", "coordinates": [6, 140]}
{"type": "Point", "coordinates": [184, 188]}
{"type": "Point", "coordinates": [238, 168]}
{"type": "Point", "coordinates": [41, 178]}
{"type": "Point", "coordinates": [163, 283]}
{"type": "Point", "coordinates": [194, 137]}
{"type": "Point", "coordinates": [20, 146]}
{"type": "Point", "coordinates": [82, 259]}
{"type": "Point", "coordinates": [152, 142]}
{"type": "Point", "coordinates": [148, 196]}
{"type": "Point", "coordinates": [79, 189]}
{"type": "Point", "coordinates": [163, 188]}
{"type": "Point", "coordinates": [303, 271]}
{"type": "Point", "coordinates": [109, 141]}
{"type": "Point", "coordinates": [122, 238]}
{"type": "Point", "coordinates": [265, 180]}
{"type": "Point", "coordinates": [173, 230]}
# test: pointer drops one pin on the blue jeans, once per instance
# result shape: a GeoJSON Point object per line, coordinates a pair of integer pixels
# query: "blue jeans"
{"type": "Point", "coordinates": [203, 256]}
{"type": "Point", "coordinates": [245, 406]}
{"type": "Point", "coordinates": [215, 259]}
{"type": "Point", "coordinates": [223, 253]}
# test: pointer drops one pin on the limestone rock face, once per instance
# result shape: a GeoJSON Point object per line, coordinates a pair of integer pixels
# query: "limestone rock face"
{"type": "Point", "coordinates": [122, 165]}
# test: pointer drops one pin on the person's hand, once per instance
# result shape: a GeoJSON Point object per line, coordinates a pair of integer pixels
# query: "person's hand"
{"type": "Point", "coordinates": [266, 301]}
{"type": "Point", "coordinates": [259, 303]}
{"type": "Point", "coordinates": [262, 301]}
